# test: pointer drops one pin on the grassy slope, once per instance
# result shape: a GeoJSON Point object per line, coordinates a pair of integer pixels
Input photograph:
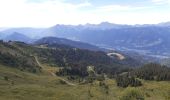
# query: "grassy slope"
{"type": "Point", "coordinates": [27, 86]}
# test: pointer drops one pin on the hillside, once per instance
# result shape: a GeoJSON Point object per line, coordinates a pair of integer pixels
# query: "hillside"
{"type": "Point", "coordinates": [19, 85]}
{"type": "Point", "coordinates": [11, 55]}
{"type": "Point", "coordinates": [51, 41]}
{"type": "Point", "coordinates": [62, 72]}
{"type": "Point", "coordinates": [62, 55]}
{"type": "Point", "coordinates": [80, 49]}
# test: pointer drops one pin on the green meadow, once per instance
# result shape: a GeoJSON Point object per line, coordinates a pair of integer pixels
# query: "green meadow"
{"type": "Point", "coordinates": [20, 85]}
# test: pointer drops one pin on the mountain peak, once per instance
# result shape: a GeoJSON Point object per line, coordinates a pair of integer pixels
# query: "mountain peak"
{"type": "Point", "coordinates": [106, 23]}
{"type": "Point", "coordinates": [164, 24]}
{"type": "Point", "coordinates": [15, 36]}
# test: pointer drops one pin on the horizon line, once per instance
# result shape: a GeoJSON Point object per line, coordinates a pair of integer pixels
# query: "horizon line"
{"type": "Point", "coordinates": [86, 24]}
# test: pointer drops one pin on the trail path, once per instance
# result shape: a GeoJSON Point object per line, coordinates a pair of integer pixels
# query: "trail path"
{"type": "Point", "coordinates": [52, 73]}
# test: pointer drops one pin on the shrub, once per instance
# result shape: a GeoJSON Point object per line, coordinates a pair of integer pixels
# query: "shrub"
{"type": "Point", "coordinates": [125, 81]}
{"type": "Point", "coordinates": [62, 82]}
{"type": "Point", "coordinates": [6, 78]}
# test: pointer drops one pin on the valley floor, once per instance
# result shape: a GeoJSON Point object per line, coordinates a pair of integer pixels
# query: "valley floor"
{"type": "Point", "coordinates": [19, 85]}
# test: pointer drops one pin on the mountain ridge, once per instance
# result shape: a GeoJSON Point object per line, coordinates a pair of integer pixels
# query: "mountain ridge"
{"type": "Point", "coordinates": [50, 41]}
{"type": "Point", "coordinates": [151, 39]}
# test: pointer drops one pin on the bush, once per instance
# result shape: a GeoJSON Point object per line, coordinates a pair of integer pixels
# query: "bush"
{"type": "Point", "coordinates": [6, 78]}
{"type": "Point", "coordinates": [125, 81]}
{"type": "Point", "coordinates": [62, 82]}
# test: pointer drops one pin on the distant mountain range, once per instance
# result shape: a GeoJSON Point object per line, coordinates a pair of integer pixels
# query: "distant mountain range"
{"type": "Point", "coordinates": [152, 40]}
{"type": "Point", "coordinates": [27, 31]}
{"type": "Point", "coordinates": [18, 37]}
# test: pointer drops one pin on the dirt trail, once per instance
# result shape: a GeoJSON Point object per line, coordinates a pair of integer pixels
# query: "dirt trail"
{"type": "Point", "coordinates": [39, 64]}
{"type": "Point", "coordinates": [52, 73]}
{"type": "Point", "coordinates": [67, 82]}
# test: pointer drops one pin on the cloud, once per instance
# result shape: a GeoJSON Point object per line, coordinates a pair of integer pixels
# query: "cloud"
{"type": "Point", "coordinates": [113, 8]}
{"type": "Point", "coordinates": [160, 2]}
{"type": "Point", "coordinates": [46, 13]}
{"type": "Point", "coordinates": [128, 14]}
{"type": "Point", "coordinates": [122, 8]}
{"type": "Point", "coordinates": [38, 14]}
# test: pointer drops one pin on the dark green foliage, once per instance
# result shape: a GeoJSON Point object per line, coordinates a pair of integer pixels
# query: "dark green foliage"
{"type": "Point", "coordinates": [80, 71]}
{"type": "Point", "coordinates": [12, 56]}
{"type": "Point", "coordinates": [6, 78]}
{"type": "Point", "coordinates": [8, 59]}
{"type": "Point", "coordinates": [76, 60]}
{"type": "Point", "coordinates": [20, 62]}
{"type": "Point", "coordinates": [67, 56]}
{"type": "Point", "coordinates": [125, 81]}
{"type": "Point", "coordinates": [152, 72]}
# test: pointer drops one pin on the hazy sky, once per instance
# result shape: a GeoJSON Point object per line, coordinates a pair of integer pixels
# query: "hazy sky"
{"type": "Point", "coordinates": [45, 13]}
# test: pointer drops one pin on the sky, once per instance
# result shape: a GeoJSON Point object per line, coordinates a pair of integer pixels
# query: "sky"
{"type": "Point", "coordinates": [46, 13]}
